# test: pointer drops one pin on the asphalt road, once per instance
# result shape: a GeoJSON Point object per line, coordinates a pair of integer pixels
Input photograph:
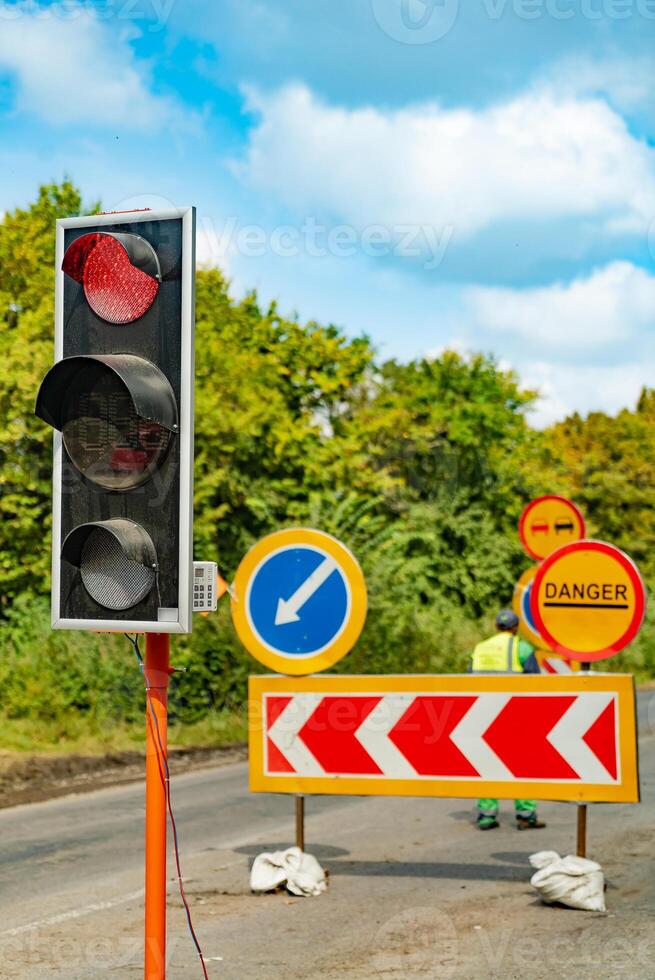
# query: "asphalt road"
{"type": "Point", "coordinates": [415, 891]}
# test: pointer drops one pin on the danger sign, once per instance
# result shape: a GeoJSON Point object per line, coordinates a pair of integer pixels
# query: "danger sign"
{"type": "Point", "coordinates": [588, 600]}
{"type": "Point", "coordinates": [549, 522]}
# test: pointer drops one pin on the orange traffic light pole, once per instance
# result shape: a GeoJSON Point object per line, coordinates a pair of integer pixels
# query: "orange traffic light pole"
{"type": "Point", "coordinates": [157, 671]}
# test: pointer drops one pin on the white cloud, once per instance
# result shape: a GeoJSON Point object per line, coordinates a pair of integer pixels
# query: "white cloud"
{"type": "Point", "coordinates": [613, 303]}
{"type": "Point", "coordinates": [624, 81]}
{"type": "Point", "coordinates": [569, 388]}
{"type": "Point", "coordinates": [588, 345]}
{"type": "Point", "coordinates": [74, 68]}
{"type": "Point", "coordinates": [536, 157]}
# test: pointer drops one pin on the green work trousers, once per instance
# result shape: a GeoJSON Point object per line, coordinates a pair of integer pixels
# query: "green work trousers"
{"type": "Point", "coordinates": [524, 808]}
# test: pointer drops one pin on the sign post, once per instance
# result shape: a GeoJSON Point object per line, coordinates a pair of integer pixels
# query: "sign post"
{"type": "Point", "coordinates": [157, 672]}
{"type": "Point", "coordinates": [120, 399]}
{"type": "Point", "coordinates": [588, 600]}
{"type": "Point", "coordinates": [299, 606]}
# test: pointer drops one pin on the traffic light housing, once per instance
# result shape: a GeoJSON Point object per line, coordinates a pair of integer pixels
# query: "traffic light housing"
{"type": "Point", "coordinates": [120, 400]}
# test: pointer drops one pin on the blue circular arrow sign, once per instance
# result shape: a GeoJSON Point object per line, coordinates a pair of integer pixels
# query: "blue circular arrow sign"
{"type": "Point", "coordinates": [527, 611]}
{"type": "Point", "coordinates": [299, 600]}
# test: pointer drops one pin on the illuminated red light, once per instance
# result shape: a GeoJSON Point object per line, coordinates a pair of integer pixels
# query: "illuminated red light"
{"type": "Point", "coordinates": [116, 289]}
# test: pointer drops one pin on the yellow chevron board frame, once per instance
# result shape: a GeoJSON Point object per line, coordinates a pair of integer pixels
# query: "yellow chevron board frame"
{"type": "Point", "coordinates": [570, 737]}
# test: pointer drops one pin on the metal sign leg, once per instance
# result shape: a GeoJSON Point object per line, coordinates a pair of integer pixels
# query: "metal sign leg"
{"type": "Point", "coordinates": [300, 822]}
{"type": "Point", "coordinates": [582, 830]}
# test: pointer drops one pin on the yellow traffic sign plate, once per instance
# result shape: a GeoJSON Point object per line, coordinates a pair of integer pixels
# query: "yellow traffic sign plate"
{"type": "Point", "coordinates": [588, 600]}
{"type": "Point", "coordinates": [511, 736]}
{"type": "Point", "coordinates": [549, 522]}
{"type": "Point", "coordinates": [299, 601]}
{"type": "Point", "coordinates": [522, 608]}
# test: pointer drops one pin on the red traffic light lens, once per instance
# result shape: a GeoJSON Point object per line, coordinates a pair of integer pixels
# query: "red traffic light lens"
{"type": "Point", "coordinates": [110, 269]}
{"type": "Point", "coordinates": [116, 290]}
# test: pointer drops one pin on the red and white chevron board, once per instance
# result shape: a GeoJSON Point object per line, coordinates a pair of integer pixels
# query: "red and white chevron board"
{"type": "Point", "coordinates": [558, 733]}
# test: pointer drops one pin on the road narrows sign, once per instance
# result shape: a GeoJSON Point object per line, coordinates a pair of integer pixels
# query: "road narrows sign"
{"type": "Point", "coordinates": [557, 738]}
{"type": "Point", "coordinates": [549, 522]}
{"type": "Point", "coordinates": [588, 600]}
{"type": "Point", "coordinates": [299, 601]}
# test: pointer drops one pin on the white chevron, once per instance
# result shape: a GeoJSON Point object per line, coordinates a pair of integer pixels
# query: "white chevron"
{"type": "Point", "coordinates": [558, 666]}
{"type": "Point", "coordinates": [284, 733]}
{"type": "Point", "coordinates": [373, 733]}
{"type": "Point", "coordinates": [567, 736]}
{"type": "Point", "coordinates": [467, 736]}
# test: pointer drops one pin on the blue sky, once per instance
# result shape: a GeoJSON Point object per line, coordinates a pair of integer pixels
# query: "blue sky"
{"type": "Point", "coordinates": [477, 174]}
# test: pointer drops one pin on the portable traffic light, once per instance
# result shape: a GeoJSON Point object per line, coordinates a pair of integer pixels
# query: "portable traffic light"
{"type": "Point", "coordinates": [120, 399]}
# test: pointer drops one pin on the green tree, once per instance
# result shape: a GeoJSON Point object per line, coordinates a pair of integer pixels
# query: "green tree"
{"type": "Point", "coordinates": [27, 260]}
{"type": "Point", "coordinates": [607, 464]}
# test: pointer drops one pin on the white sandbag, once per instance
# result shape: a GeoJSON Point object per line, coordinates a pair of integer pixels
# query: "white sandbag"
{"type": "Point", "coordinates": [572, 881]}
{"type": "Point", "coordinates": [542, 858]}
{"type": "Point", "coordinates": [305, 876]}
{"type": "Point", "coordinates": [300, 872]}
{"type": "Point", "coordinates": [268, 872]}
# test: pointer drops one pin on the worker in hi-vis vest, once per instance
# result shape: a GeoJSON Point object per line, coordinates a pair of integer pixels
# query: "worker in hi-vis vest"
{"type": "Point", "coordinates": [508, 654]}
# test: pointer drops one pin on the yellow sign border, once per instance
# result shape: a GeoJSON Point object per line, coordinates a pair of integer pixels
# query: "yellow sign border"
{"type": "Point", "coordinates": [290, 665]}
{"type": "Point", "coordinates": [622, 684]}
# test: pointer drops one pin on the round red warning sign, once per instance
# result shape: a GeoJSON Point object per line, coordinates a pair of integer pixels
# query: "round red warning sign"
{"type": "Point", "coordinates": [588, 600]}
{"type": "Point", "coordinates": [549, 522]}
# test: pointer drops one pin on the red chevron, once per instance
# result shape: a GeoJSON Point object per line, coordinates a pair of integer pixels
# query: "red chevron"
{"type": "Point", "coordinates": [601, 739]}
{"type": "Point", "coordinates": [329, 734]}
{"type": "Point", "coordinates": [518, 736]}
{"type": "Point", "coordinates": [276, 762]}
{"type": "Point", "coordinates": [423, 736]}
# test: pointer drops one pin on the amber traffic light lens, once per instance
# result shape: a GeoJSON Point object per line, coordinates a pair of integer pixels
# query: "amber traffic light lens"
{"type": "Point", "coordinates": [105, 438]}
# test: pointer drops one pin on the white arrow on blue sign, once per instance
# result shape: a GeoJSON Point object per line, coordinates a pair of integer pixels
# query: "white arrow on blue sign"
{"type": "Point", "coordinates": [298, 601]}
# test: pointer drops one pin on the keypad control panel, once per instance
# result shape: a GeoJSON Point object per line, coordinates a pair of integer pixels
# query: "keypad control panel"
{"type": "Point", "coordinates": [205, 580]}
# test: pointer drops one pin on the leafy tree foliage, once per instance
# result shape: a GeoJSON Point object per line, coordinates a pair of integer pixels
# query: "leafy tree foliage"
{"type": "Point", "coordinates": [27, 256]}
